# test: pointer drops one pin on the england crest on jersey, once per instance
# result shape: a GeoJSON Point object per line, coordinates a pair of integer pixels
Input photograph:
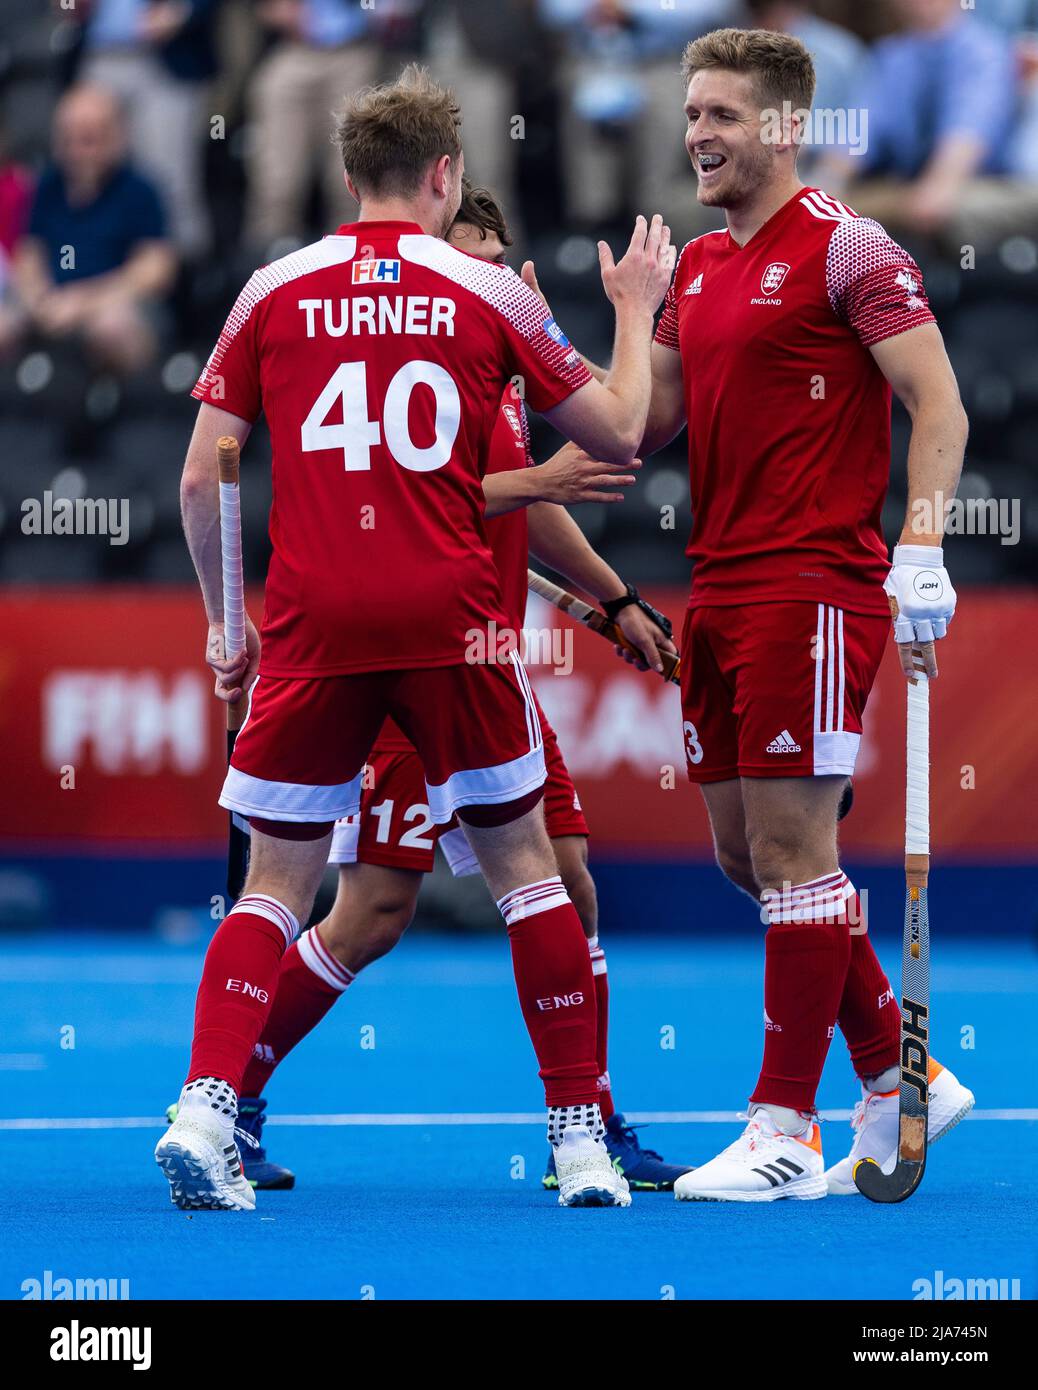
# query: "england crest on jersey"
{"type": "Point", "coordinates": [512, 416]}
{"type": "Point", "coordinates": [774, 277]}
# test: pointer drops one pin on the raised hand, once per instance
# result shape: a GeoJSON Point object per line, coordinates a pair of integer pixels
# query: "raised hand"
{"type": "Point", "coordinates": [642, 277]}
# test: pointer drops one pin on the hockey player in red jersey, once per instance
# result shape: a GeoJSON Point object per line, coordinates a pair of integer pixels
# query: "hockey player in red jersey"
{"type": "Point", "coordinates": [379, 356]}
{"type": "Point", "coordinates": [782, 338]}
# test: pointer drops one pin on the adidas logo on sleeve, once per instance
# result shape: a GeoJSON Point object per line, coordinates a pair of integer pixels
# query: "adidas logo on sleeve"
{"type": "Point", "coordinates": [784, 743]}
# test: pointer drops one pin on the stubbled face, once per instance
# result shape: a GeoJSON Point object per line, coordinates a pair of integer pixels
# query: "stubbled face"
{"type": "Point", "coordinates": [723, 138]}
{"type": "Point", "coordinates": [486, 245]}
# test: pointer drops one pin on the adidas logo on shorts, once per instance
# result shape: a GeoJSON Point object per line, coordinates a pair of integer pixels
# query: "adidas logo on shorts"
{"type": "Point", "coordinates": [783, 744]}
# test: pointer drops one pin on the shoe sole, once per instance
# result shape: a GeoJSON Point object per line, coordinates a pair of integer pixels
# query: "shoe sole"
{"type": "Point", "coordinates": [552, 1185]}
{"type": "Point", "coordinates": [191, 1184]}
{"type": "Point", "coordinates": [595, 1197]}
{"type": "Point", "coordinates": [795, 1192]}
{"type": "Point", "coordinates": [842, 1190]}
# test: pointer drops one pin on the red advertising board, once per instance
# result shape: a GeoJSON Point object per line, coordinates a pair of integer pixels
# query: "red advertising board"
{"type": "Point", "coordinates": [112, 736]}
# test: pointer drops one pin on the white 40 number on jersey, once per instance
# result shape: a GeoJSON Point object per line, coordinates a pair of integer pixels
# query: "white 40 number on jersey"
{"type": "Point", "coordinates": [358, 433]}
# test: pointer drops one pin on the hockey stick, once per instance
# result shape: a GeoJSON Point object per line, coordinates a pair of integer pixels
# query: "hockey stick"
{"type": "Point", "coordinates": [914, 1095]}
{"type": "Point", "coordinates": [234, 639]}
{"type": "Point", "coordinates": [597, 622]}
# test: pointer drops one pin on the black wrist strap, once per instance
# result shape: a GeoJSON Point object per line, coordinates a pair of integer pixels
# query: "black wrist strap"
{"type": "Point", "coordinates": [614, 606]}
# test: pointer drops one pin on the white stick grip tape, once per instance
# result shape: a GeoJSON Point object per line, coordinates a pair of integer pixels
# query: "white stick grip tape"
{"type": "Point", "coordinates": [917, 803]}
{"type": "Point", "coordinates": [233, 582]}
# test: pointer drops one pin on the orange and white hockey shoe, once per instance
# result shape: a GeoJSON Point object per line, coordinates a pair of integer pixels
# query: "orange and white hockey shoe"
{"type": "Point", "coordinates": [875, 1123]}
{"type": "Point", "coordinates": [763, 1165]}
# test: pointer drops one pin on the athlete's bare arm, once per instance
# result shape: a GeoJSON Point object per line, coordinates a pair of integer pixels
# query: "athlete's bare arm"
{"type": "Point", "coordinates": [556, 539]}
{"type": "Point", "coordinates": [666, 416]}
{"type": "Point", "coordinates": [667, 403]}
{"type": "Point", "coordinates": [568, 477]}
{"type": "Point", "coordinates": [607, 418]}
{"type": "Point", "coordinates": [917, 367]}
{"type": "Point", "coordinates": [200, 510]}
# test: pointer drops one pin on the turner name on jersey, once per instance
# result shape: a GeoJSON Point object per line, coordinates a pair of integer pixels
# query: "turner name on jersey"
{"type": "Point", "coordinates": [419, 315]}
{"type": "Point", "coordinates": [380, 356]}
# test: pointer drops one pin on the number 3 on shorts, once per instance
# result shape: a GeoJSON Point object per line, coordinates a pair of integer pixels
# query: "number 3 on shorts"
{"type": "Point", "coordinates": [693, 748]}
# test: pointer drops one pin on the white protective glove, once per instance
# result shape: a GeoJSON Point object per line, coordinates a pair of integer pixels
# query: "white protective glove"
{"type": "Point", "coordinates": [922, 590]}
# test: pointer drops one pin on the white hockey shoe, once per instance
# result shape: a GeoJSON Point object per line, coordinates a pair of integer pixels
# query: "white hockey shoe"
{"type": "Point", "coordinates": [586, 1174]}
{"type": "Point", "coordinates": [763, 1165]}
{"type": "Point", "coordinates": [198, 1153]}
{"type": "Point", "coordinates": [875, 1122]}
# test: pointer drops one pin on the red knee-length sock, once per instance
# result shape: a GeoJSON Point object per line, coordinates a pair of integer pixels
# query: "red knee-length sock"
{"type": "Point", "coordinates": [556, 989]}
{"type": "Point", "coordinates": [309, 983]}
{"type": "Point", "coordinates": [601, 974]}
{"type": "Point", "coordinates": [237, 988]}
{"type": "Point", "coordinates": [807, 951]}
{"type": "Point", "coordinates": [869, 1016]}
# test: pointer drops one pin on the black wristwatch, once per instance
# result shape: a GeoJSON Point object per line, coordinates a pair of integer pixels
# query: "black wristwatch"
{"type": "Point", "coordinates": [612, 607]}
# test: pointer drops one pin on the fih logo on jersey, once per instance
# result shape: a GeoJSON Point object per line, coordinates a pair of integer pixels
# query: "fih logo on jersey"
{"type": "Point", "coordinates": [554, 331]}
{"type": "Point", "coordinates": [512, 416]}
{"type": "Point", "coordinates": [774, 277]}
{"type": "Point", "coordinates": [376, 272]}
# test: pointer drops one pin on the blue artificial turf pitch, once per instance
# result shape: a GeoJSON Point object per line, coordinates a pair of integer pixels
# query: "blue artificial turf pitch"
{"type": "Point", "coordinates": [416, 1207]}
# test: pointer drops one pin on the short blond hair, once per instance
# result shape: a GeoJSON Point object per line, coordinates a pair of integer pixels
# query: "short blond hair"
{"type": "Point", "coordinates": [390, 134]}
{"type": "Point", "coordinates": [780, 65]}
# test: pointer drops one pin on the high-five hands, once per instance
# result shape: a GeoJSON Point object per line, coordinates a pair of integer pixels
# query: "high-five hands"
{"type": "Point", "coordinates": [643, 276]}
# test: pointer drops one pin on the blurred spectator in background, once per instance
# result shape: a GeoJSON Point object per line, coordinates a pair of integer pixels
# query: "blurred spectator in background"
{"type": "Point", "coordinates": [158, 56]}
{"type": "Point", "coordinates": [623, 130]}
{"type": "Point", "coordinates": [1011, 15]}
{"type": "Point", "coordinates": [501, 62]}
{"type": "Point", "coordinates": [322, 50]}
{"type": "Point", "coordinates": [944, 100]}
{"type": "Point", "coordinates": [95, 260]}
{"type": "Point", "coordinates": [841, 64]}
{"type": "Point", "coordinates": [15, 201]}
{"type": "Point", "coordinates": [1023, 154]}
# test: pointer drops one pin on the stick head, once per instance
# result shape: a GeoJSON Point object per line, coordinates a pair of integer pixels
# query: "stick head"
{"type": "Point", "coordinates": [227, 455]}
{"type": "Point", "coordinates": [877, 1186]}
